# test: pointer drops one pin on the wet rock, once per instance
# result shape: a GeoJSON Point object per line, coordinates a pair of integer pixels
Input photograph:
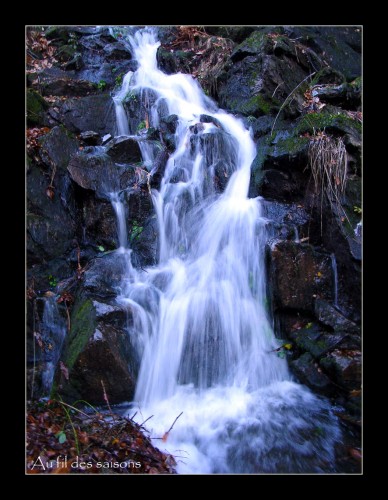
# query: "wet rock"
{"type": "Point", "coordinates": [345, 367]}
{"type": "Point", "coordinates": [66, 87]}
{"type": "Point", "coordinates": [124, 150]}
{"type": "Point", "coordinates": [328, 315]}
{"type": "Point", "coordinates": [316, 342]}
{"type": "Point", "coordinates": [50, 220]}
{"type": "Point", "coordinates": [116, 51]}
{"type": "Point", "coordinates": [98, 221]}
{"type": "Point", "coordinates": [339, 47]}
{"type": "Point", "coordinates": [95, 112]}
{"type": "Point", "coordinates": [90, 137]}
{"type": "Point", "coordinates": [36, 108]}
{"type": "Point", "coordinates": [309, 373]}
{"type": "Point", "coordinates": [299, 274]}
{"type": "Point", "coordinates": [103, 277]}
{"type": "Point", "coordinates": [345, 94]}
{"type": "Point", "coordinates": [258, 82]}
{"type": "Point", "coordinates": [96, 350]}
{"type": "Point", "coordinates": [158, 168]}
{"type": "Point", "coordinates": [95, 171]}
{"type": "Point", "coordinates": [210, 119]}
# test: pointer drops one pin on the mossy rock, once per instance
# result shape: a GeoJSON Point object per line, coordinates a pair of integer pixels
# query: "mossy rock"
{"type": "Point", "coordinates": [259, 105]}
{"type": "Point", "coordinates": [36, 107]}
{"type": "Point", "coordinates": [83, 323]}
{"type": "Point", "coordinates": [335, 122]}
{"type": "Point", "coordinates": [258, 42]}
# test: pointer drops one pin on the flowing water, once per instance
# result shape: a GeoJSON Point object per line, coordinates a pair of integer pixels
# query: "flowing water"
{"type": "Point", "coordinates": [200, 322]}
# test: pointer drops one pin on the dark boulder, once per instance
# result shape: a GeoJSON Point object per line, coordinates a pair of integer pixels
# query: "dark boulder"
{"type": "Point", "coordinates": [97, 352]}
{"type": "Point", "coordinates": [345, 367]}
{"type": "Point", "coordinates": [299, 274]}
{"type": "Point", "coordinates": [94, 112]}
{"type": "Point", "coordinates": [50, 219]}
{"type": "Point", "coordinates": [124, 150]}
{"type": "Point", "coordinates": [309, 373]}
{"type": "Point", "coordinates": [330, 316]}
{"type": "Point", "coordinates": [94, 170]}
{"type": "Point", "coordinates": [90, 138]}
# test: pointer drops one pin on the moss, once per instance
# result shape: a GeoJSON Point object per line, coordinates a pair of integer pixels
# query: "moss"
{"type": "Point", "coordinates": [357, 83]}
{"type": "Point", "coordinates": [292, 145]}
{"type": "Point", "coordinates": [258, 105]}
{"type": "Point", "coordinates": [36, 106]}
{"type": "Point", "coordinates": [83, 323]}
{"type": "Point", "coordinates": [318, 121]}
{"type": "Point", "coordinates": [254, 43]}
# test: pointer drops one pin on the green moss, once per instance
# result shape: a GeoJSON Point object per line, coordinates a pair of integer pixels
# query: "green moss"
{"type": "Point", "coordinates": [357, 83]}
{"type": "Point", "coordinates": [257, 105]}
{"type": "Point", "coordinates": [36, 107]}
{"type": "Point", "coordinates": [292, 145]}
{"type": "Point", "coordinates": [319, 121]}
{"type": "Point", "coordinates": [83, 323]}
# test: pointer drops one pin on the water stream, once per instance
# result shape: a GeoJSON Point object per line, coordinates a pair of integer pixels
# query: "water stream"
{"type": "Point", "coordinates": [200, 324]}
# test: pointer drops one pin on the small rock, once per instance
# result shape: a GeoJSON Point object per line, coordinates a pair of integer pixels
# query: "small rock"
{"type": "Point", "coordinates": [328, 315]}
{"type": "Point", "coordinates": [90, 137]}
{"type": "Point", "coordinates": [124, 150]}
{"type": "Point", "coordinates": [310, 374]}
{"type": "Point", "coordinates": [344, 366]}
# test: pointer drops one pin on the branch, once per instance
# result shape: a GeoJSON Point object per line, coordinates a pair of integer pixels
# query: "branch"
{"type": "Point", "coordinates": [289, 95]}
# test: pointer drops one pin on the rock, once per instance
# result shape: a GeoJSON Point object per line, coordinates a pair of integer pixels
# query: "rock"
{"type": "Point", "coordinates": [98, 220]}
{"type": "Point", "coordinates": [338, 47]}
{"type": "Point", "coordinates": [36, 109]}
{"type": "Point", "coordinates": [235, 33]}
{"type": "Point", "coordinates": [309, 373]}
{"type": "Point", "coordinates": [95, 112]}
{"type": "Point", "coordinates": [345, 367]}
{"type": "Point", "coordinates": [299, 274]}
{"type": "Point", "coordinates": [158, 168]}
{"type": "Point", "coordinates": [210, 119]}
{"type": "Point", "coordinates": [345, 94]}
{"type": "Point", "coordinates": [124, 150]}
{"type": "Point", "coordinates": [95, 171]}
{"type": "Point", "coordinates": [258, 84]}
{"type": "Point", "coordinates": [103, 277]}
{"type": "Point", "coordinates": [328, 315]}
{"type": "Point", "coordinates": [90, 137]}
{"type": "Point", "coordinates": [117, 50]}
{"type": "Point", "coordinates": [95, 351]}
{"type": "Point", "coordinates": [66, 87]}
{"type": "Point", "coordinates": [51, 221]}
{"type": "Point", "coordinates": [314, 341]}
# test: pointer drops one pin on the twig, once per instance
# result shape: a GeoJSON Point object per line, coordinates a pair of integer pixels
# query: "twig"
{"type": "Point", "coordinates": [289, 95]}
{"type": "Point", "coordinates": [274, 92]}
{"type": "Point", "coordinates": [146, 420]}
{"type": "Point", "coordinates": [72, 426]}
{"type": "Point", "coordinates": [72, 407]}
{"type": "Point", "coordinates": [107, 401]}
{"type": "Point", "coordinates": [166, 434]}
{"type": "Point", "coordinates": [170, 429]}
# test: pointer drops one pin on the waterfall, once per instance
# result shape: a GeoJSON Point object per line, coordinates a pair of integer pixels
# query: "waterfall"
{"type": "Point", "coordinates": [200, 324]}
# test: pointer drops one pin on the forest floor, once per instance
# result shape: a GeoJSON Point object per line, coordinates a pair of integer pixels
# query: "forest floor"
{"type": "Point", "coordinates": [62, 439]}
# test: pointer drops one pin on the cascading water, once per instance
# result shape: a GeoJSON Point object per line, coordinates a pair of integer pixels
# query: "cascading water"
{"type": "Point", "coordinates": [200, 323]}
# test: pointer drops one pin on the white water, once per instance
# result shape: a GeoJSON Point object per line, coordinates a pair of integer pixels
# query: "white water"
{"type": "Point", "coordinates": [53, 334]}
{"type": "Point", "coordinates": [200, 323]}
